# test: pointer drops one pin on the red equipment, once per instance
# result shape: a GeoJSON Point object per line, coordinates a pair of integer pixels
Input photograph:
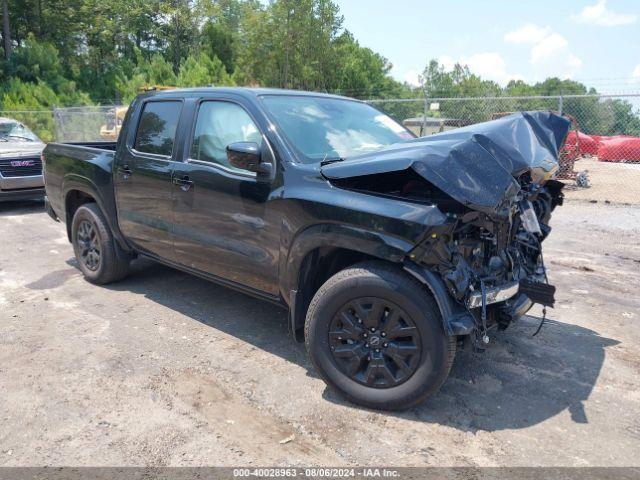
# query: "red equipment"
{"type": "Point", "coordinates": [620, 148]}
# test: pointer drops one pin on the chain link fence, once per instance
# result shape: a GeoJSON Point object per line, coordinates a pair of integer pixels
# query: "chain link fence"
{"type": "Point", "coordinates": [87, 124]}
{"type": "Point", "coordinates": [72, 124]}
{"type": "Point", "coordinates": [600, 161]}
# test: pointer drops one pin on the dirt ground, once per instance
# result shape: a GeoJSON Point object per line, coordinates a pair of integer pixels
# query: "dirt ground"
{"type": "Point", "coordinates": [609, 182]}
{"type": "Point", "coordinates": [168, 369]}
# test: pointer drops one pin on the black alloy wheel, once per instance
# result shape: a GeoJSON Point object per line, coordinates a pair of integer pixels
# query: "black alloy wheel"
{"type": "Point", "coordinates": [87, 238]}
{"type": "Point", "coordinates": [375, 342]}
{"type": "Point", "coordinates": [375, 334]}
{"type": "Point", "coordinates": [98, 255]}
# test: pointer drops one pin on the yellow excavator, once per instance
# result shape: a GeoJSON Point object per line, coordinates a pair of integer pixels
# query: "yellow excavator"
{"type": "Point", "coordinates": [110, 130]}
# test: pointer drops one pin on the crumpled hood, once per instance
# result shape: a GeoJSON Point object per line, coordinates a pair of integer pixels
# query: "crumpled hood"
{"type": "Point", "coordinates": [476, 165]}
{"type": "Point", "coordinates": [20, 149]}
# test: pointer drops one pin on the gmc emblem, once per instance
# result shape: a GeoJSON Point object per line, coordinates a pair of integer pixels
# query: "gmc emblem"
{"type": "Point", "coordinates": [22, 163]}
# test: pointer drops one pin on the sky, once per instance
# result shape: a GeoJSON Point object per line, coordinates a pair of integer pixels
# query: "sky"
{"type": "Point", "coordinates": [596, 42]}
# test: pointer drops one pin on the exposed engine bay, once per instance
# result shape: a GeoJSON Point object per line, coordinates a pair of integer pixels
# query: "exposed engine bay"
{"type": "Point", "coordinates": [494, 184]}
{"type": "Point", "coordinates": [485, 261]}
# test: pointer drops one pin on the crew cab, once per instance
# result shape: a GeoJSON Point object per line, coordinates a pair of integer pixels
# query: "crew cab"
{"type": "Point", "coordinates": [387, 250]}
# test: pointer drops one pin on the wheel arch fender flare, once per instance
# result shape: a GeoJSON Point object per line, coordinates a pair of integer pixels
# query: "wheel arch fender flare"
{"type": "Point", "coordinates": [75, 182]}
{"type": "Point", "coordinates": [375, 244]}
{"type": "Point", "coordinates": [344, 237]}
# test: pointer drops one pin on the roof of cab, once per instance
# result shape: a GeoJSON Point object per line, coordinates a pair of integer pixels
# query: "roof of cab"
{"type": "Point", "coordinates": [242, 91]}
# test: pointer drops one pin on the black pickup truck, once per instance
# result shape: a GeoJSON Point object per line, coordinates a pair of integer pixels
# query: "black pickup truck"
{"type": "Point", "coordinates": [387, 250]}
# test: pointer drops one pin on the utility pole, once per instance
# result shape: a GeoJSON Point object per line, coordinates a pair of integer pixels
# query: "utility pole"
{"type": "Point", "coordinates": [6, 30]}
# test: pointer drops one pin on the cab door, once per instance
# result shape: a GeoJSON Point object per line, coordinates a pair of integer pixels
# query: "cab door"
{"type": "Point", "coordinates": [225, 220]}
{"type": "Point", "coordinates": [142, 178]}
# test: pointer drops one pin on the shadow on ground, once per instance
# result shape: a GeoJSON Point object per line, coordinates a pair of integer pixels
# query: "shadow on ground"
{"type": "Point", "coordinates": [21, 208]}
{"type": "Point", "coordinates": [519, 381]}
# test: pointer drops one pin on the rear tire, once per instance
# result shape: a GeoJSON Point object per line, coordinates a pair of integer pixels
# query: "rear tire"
{"type": "Point", "coordinates": [95, 247]}
{"type": "Point", "coordinates": [412, 355]}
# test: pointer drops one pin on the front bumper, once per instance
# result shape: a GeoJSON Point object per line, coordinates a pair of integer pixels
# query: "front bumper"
{"type": "Point", "coordinates": [21, 183]}
{"type": "Point", "coordinates": [493, 295]}
{"type": "Point", "coordinates": [21, 188]}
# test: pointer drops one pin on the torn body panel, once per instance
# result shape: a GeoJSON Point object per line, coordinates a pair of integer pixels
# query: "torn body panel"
{"type": "Point", "coordinates": [494, 183]}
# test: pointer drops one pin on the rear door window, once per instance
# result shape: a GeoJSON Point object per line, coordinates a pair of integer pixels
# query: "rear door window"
{"type": "Point", "coordinates": [157, 128]}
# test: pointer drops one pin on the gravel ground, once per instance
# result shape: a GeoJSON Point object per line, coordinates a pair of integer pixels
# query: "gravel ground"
{"type": "Point", "coordinates": [167, 369]}
{"type": "Point", "coordinates": [609, 182]}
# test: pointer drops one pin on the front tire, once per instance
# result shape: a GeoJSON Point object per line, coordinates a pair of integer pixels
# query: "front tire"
{"type": "Point", "coordinates": [375, 335]}
{"type": "Point", "coordinates": [95, 247]}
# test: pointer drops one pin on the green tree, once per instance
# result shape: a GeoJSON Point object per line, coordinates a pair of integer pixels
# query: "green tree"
{"type": "Point", "coordinates": [34, 72]}
{"type": "Point", "coordinates": [218, 41]}
{"type": "Point", "coordinates": [178, 30]}
{"type": "Point", "coordinates": [201, 71]}
{"type": "Point", "coordinates": [361, 72]}
{"type": "Point", "coordinates": [6, 30]}
{"type": "Point", "coordinates": [290, 44]}
{"type": "Point", "coordinates": [154, 72]}
{"type": "Point", "coordinates": [73, 52]}
{"type": "Point", "coordinates": [460, 82]}
{"type": "Point", "coordinates": [33, 102]}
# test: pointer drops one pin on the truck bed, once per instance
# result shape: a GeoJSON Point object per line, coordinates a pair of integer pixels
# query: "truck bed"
{"type": "Point", "coordinates": [85, 166]}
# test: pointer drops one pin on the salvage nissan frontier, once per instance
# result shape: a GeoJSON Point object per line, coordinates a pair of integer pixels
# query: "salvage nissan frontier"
{"type": "Point", "coordinates": [387, 250]}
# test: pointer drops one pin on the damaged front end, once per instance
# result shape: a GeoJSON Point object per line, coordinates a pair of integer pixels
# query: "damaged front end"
{"type": "Point", "coordinates": [494, 182]}
{"type": "Point", "coordinates": [494, 266]}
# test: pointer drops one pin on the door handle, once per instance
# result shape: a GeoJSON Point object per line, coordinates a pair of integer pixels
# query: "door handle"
{"type": "Point", "coordinates": [126, 172]}
{"type": "Point", "coordinates": [184, 183]}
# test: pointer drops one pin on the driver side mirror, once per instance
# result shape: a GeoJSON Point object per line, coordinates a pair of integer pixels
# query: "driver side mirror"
{"type": "Point", "coordinates": [248, 156]}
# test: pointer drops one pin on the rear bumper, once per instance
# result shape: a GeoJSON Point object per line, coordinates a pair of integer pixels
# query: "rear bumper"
{"type": "Point", "coordinates": [21, 194]}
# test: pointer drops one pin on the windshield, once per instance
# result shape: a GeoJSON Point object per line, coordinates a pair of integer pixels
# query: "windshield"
{"type": "Point", "coordinates": [16, 132]}
{"type": "Point", "coordinates": [322, 128]}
